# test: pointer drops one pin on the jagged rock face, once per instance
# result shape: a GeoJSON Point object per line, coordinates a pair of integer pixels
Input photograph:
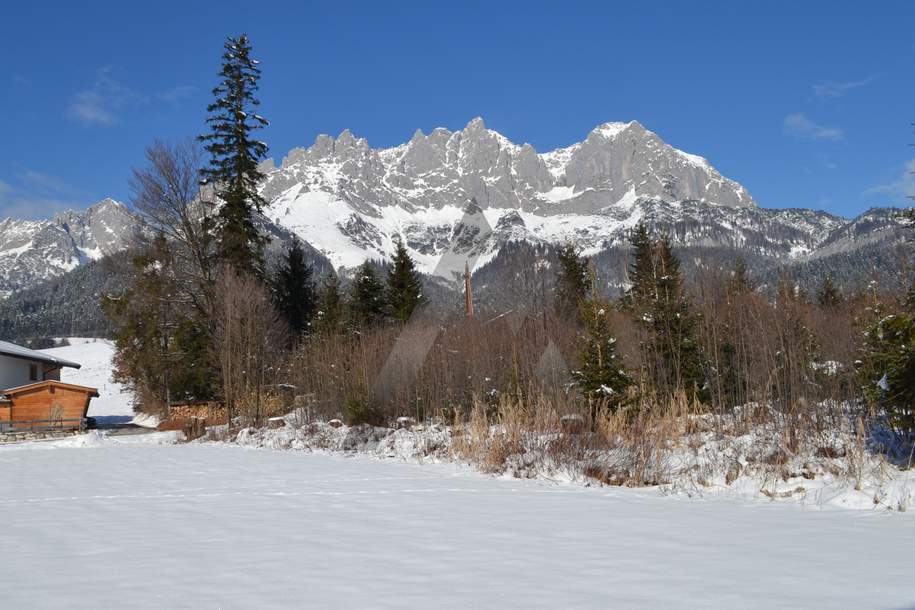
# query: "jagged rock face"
{"type": "Point", "coordinates": [351, 201]}
{"type": "Point", "coordinates": [448, 168]}
{"type": "Point", "coordinates": [458, 194]}
{"type": "Point", "coordinates": [621, 158]}
{"type": "Point", "coordinates": [460, 197]}
{"type": "Point", "coordinates": [32, 251]}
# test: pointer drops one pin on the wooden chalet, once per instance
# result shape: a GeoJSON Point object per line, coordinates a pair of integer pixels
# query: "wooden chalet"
{"type": "Point", "coordinates": [32, 397]}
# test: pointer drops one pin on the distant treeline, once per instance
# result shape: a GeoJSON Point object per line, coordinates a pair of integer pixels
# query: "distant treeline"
{"type": "Point", "coordinates": [518, 278]}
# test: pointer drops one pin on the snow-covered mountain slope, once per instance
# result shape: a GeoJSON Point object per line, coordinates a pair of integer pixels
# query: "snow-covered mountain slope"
{"type": "Point", "coordinates": [94, 356]}
{"type": "Point", "coordinates": [454, 196]}
{"type": "Point", "coordinates": [32, 251]}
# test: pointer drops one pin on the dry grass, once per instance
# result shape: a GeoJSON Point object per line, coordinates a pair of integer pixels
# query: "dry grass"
{"type": "Point", "coordinates": [674, 443]}
{"type": "Point", "coordinates": [779, 357]}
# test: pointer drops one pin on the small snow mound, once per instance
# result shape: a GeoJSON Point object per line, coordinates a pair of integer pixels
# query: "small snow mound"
{"type": "Point", "coordinates": [145, 421]}
{"type": "Point", "coordinates": [402, 443]}
{"type": "Point", "coordinates": [92, 438]}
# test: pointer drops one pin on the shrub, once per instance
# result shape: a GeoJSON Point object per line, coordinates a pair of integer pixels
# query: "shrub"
{"type": "Point", "coordinates": [889, 372]}
{"type": "Point", "coordinates": [359, 411]}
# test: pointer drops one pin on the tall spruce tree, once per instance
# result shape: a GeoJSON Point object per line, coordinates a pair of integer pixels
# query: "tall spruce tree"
{"type": "Point", "coordinates": [294, 290]}
{"type": "Point", "coordinates": [658, 303]}
{"type": "Point", "coordinates": [366, 306]}
{"type": "Point", "coordinates": [572, 281]}
{"type": "Point", "coordinates": [404, 287]}
{"type": "Point", "coordinates": [234, 157]}
{"type": "Point", "coordinates": [600, 376]}
{"type": "Point", "coordinates": [331, 307]}
{"type": "Point", "coordinates": [675, 327]}
{"type": "Point", "coordinates": [641, 272]}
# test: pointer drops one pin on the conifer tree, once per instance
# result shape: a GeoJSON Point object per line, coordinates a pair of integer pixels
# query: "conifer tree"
{"type": "Point", "coordinates": [294, 291]}
{"type": "Point", "coordinates": [675, 327]}
{"type": "Point", "coordinates": [887, 368]}
{"type": "Point", "coordinates": [367, 304]}
{"type": "Point", "coordinates": [642, 273]}
{"type": "Point", "coordinates": [162, 351]}
{"type": "Point", "coordinates": [234, 157]}
{"type": "Point", "coordinates": [572, 281]}
{"type": "Point", "coordinates": [331, 308]}
{"type": "Point", "coordinates": [404, 287]}
{"type": "Point", "coordinates": [658, 303]}
{"type": "Point", "coordinates": [600, 376]}
{"type": "Point", "coordinates": [829, 296]}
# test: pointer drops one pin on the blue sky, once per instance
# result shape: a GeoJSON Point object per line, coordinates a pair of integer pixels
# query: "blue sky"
{"type": "Point", "coordinates": [806, 103]}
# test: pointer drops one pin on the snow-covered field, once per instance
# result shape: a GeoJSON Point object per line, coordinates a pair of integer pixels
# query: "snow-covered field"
{"type": "Point", "coordinates": [95, 357]}
{"type": "Point", "coordinates": [98, 522]}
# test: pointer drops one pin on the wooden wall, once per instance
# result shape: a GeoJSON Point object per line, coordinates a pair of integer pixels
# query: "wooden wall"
{"type": "Point", "coordinates": [4, 417]}
{"type": "Point", "coordinates": [51, 401]}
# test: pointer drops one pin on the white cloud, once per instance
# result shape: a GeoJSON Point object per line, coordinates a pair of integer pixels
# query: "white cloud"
{"type": "Point", "coordinates": [101, 103]}
{"type": "Point", "coordinates": [45, 182]}
{"type": "Point", "coordinates": [801, 127]}
{"type": "Point", "coordinates": [36, 195]}
{"type": "Point", "coordinates": [106, 99]}
{"type": "Point", "coordinates": [177, 94]}
{"type": "Point", "coordinates": [838, 89]}
{"type": "Point", "coordinates": [902, 187]}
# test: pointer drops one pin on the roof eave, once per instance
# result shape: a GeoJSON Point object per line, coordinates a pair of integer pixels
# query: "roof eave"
{"type": "Point", "coordinates": [59, 363]}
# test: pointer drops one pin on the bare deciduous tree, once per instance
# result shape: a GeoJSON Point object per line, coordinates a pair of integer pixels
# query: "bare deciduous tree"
{"type": "Point", "coordinates": [249, 344]}
{"type": "Point", "coordinates": [169, 202]}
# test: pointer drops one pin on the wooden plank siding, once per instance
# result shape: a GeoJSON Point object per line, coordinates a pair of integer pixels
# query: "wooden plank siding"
{"type": "Point", "coordinates": [49, 400]}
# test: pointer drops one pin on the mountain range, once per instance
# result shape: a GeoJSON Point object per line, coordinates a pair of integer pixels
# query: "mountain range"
{"type": "Point", "coordinates": [456, 197]}
{"type": "Point", "coordinates": [32, 251]}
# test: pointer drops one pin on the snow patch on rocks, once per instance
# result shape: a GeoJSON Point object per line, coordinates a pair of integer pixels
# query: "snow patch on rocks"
{"type": "Point", "coordinates": [831, 470]}
{"type": "Point", "coordinates": [406, 444]}
{"type": "Point", "coordinates": [97, 439]}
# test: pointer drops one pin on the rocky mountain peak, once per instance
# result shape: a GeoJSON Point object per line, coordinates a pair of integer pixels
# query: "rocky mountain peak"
{"type": "Point", "coordinates": [609, 131]}
{"type": "Point", "coordinates": [31, 251]}
{"type": "Point", "coordinates": [450, 195]}
{"type": "Point", "coordinates": [352, 202]}
{"type": "Point", "coordinates": [475, 125]}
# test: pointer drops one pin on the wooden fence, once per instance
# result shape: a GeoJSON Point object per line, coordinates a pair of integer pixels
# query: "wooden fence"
{"type": "Point", "coordinates": [42, 425]}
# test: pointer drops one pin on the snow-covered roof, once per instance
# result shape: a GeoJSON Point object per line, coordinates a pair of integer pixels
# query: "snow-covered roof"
{"type": "Point", "coordinates": [17, 351]}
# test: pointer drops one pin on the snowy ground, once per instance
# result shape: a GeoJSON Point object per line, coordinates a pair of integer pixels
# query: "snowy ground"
{"type": "Point", "coordinates": [736, 465]}
{"type": "Point", "coordinates": [96, 522]}
{"type": "Point", "coordinates": [95, 357]}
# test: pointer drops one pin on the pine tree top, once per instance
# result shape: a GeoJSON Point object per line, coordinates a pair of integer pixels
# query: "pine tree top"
{"type": "Point", "coordinates": [234, 157]}
{"type": "Point", "coordinates": [234, 154]}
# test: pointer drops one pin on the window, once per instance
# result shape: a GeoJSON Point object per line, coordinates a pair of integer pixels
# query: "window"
{"type": "Point", "coordinates": [33, 372]}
